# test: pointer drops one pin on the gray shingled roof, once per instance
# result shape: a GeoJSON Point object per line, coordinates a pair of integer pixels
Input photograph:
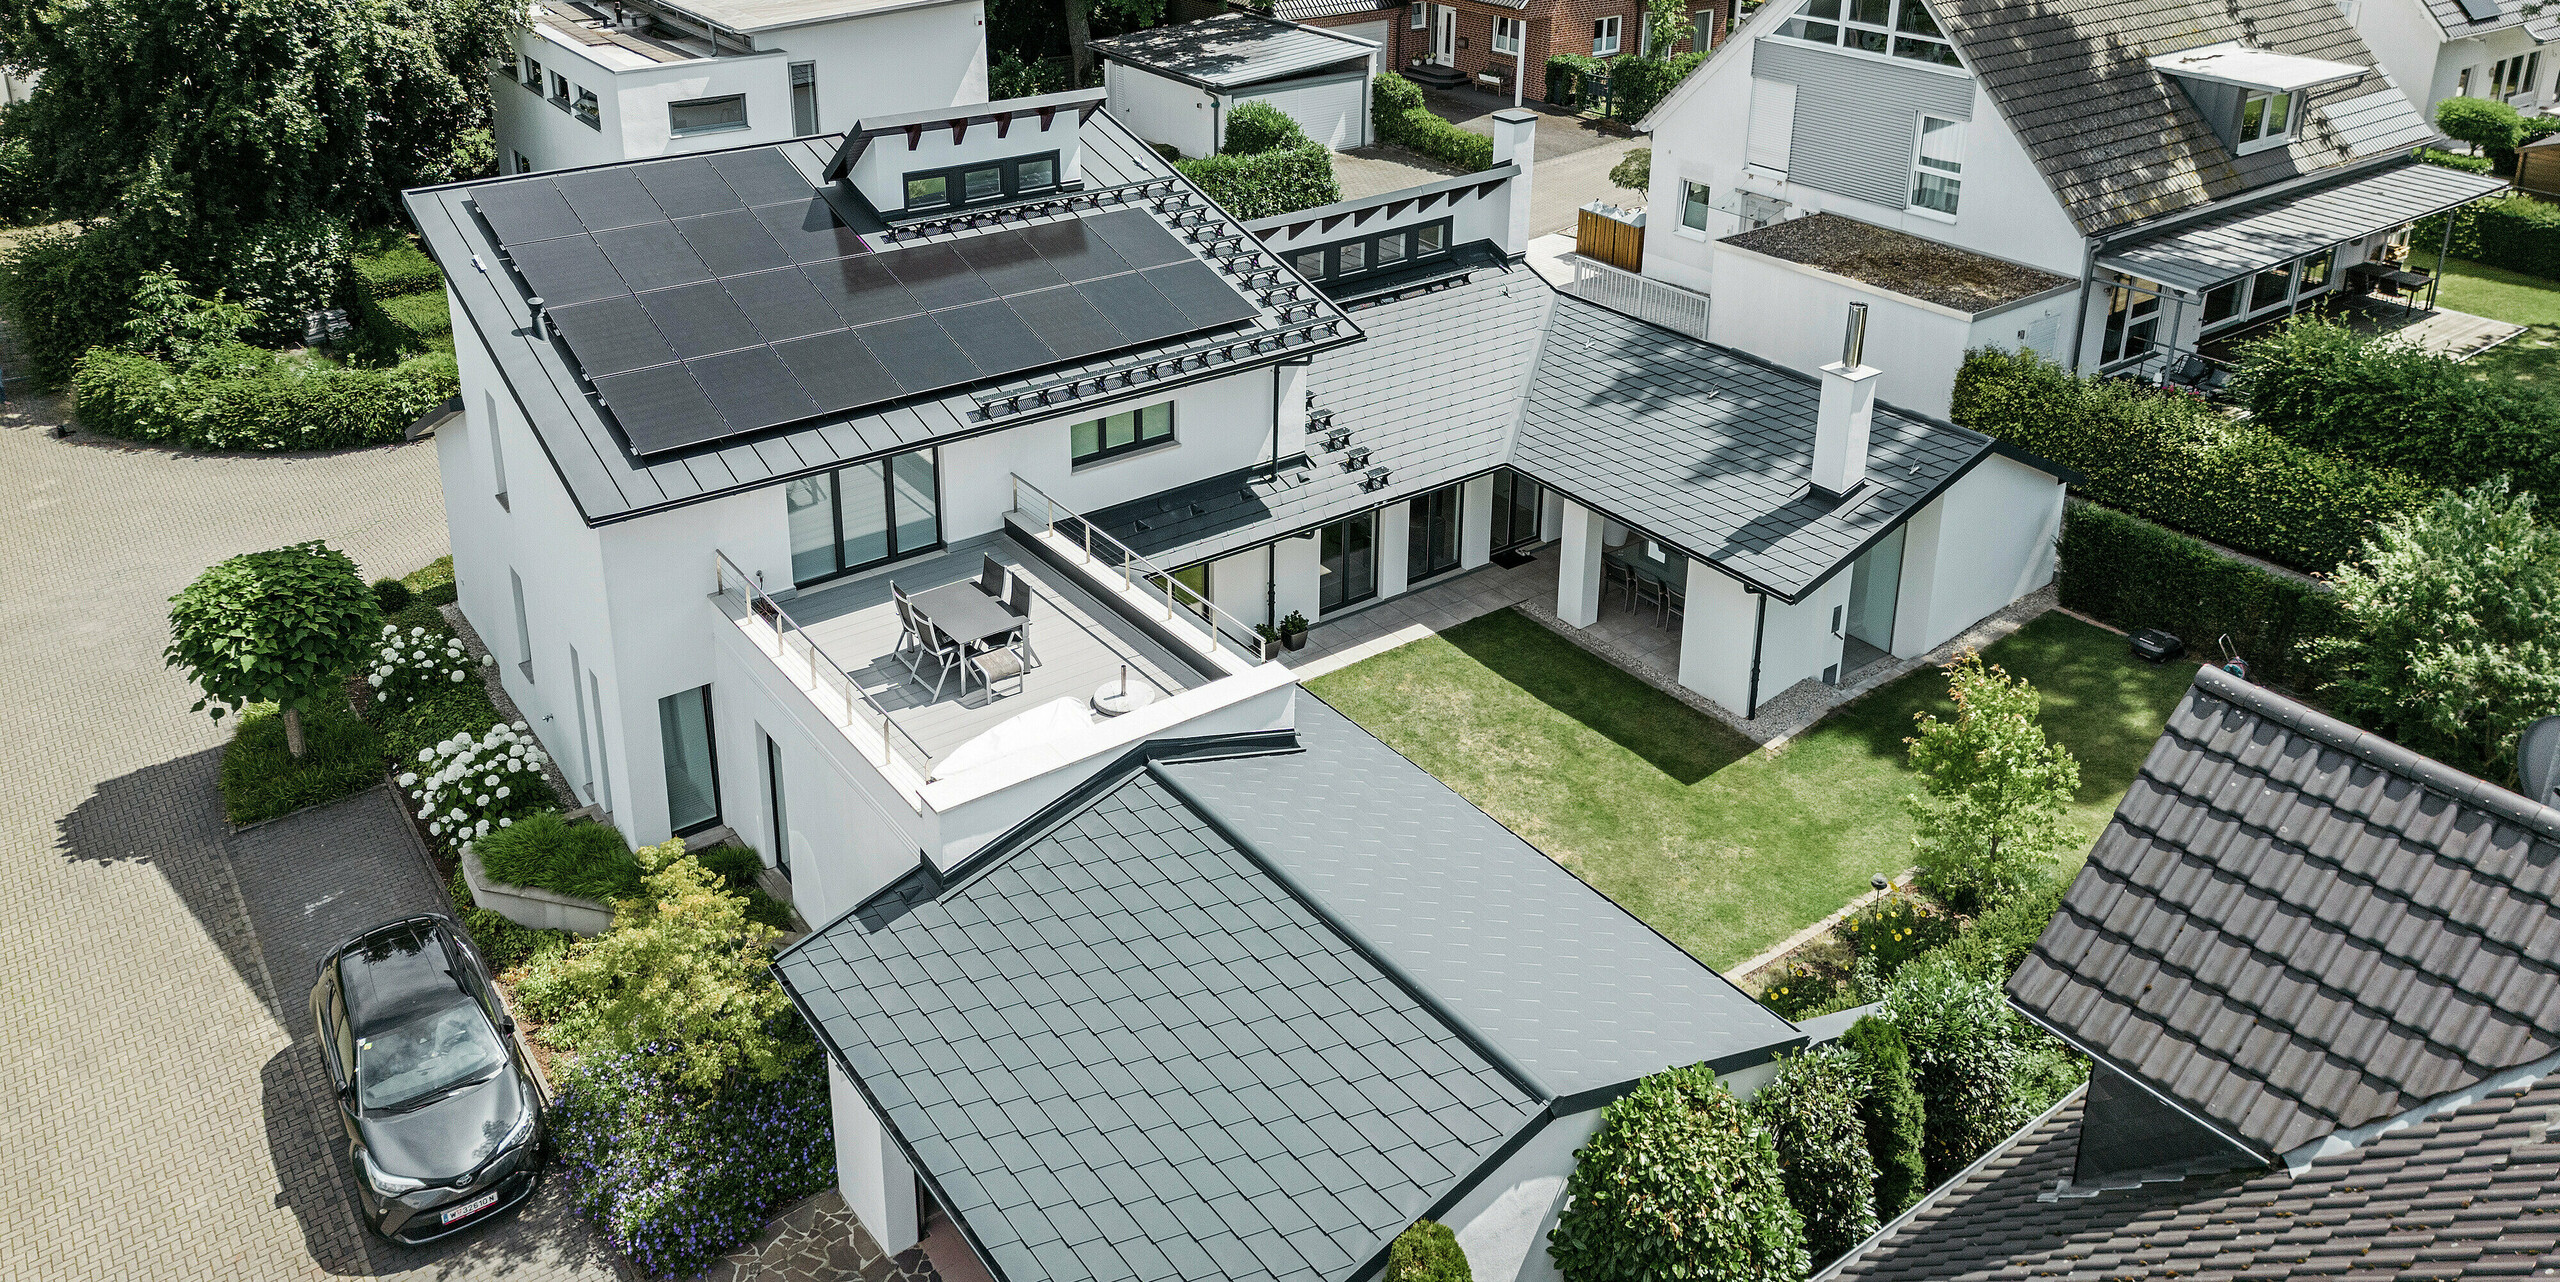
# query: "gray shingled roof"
{"type": "Point", "coordinates": [1125, 1050]}
{"type": "Point", "coordinates": [2291, 927]}
{"type": "Point", "coordinates": [607, 482]}
{"type": "Point", "coordinates": [1711, 451]}
{"type": "Point", "coordinates": [2119, 142]}
{"type": "Point", "coordinates": [2227, 246]}
{"type": "Point", "coordinates": [2536, 19]}
{"type": "Point", "coordinates": [1234, 50]}
{"type": "Point", "coordinates": [1427, 431]}
{"type": "Point", "coordinates": [2465, 1194]}
{"type": "Point", "coordinates": [1552, 974]}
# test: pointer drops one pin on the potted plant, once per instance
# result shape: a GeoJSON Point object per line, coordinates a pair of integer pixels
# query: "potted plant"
{"type": "Point", "coordinates": [1270, 640]}
{"type": "Point", "coordinates": [1293, 631]}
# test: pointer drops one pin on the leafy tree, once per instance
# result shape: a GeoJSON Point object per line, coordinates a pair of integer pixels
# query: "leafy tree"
{"type": "Point", "coordinates": [683, 981]}
{"type": "Point", "coordinates": [1128, 14]}
{"type": "Point", "coordinates": [1993, 788]}
{"type": "Point", "coordinates": [1965, 1058]}
{"type": "Point", "coordinates": [1678, 1183]}
{"type": "Point", "coordinates": [1634, 171]}
{"type": "Point", "coordinates": [2483, 123]}
{"type": "Point", "coordinates": [1669, 23]}
{"type": "Point", "coordinates": [2450, 647]}
{"type": "Point", "coordinates": [1810, 1109]}
{"type": "Point", "coordinates": [173, 325]}
{"type": "Point", "coordinates": [282, 627]}
{"type": "Point", "coordinates": [1427, 1252]}
{"type": "Point", "coordinates": [1891, 1114]}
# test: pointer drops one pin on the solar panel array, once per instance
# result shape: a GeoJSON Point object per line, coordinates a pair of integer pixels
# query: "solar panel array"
{"type": "Point", "coordinates": [707, 297]}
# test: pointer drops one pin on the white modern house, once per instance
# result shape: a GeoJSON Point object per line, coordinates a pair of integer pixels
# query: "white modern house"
{"type": "Point", "coordinates": [596, 81]}
{"type": "Point", "coordinates": [2115, 187]}
{"type": "Point", "coordinates": [2439, 49]}
{"type": "Point", "coordinates": [904, 501]}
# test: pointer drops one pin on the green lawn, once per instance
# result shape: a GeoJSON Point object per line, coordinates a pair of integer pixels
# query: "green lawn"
{"type": "Point", "coordinates": [1723, 848]}
{"type": "Point", "coordinates": [2499, 294]}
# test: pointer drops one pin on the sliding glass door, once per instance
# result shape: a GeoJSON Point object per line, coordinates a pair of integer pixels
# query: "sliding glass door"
{"type": "Point", "coordinates": [693, 779]}
{"type": "Point", "coordinates": [857, 517]}
{"type": "Point", "coordinates": [1348, 552]}
{"type": "Point", "coordinates": [1516, 500]}
{"type": "Point", "coordinates": [1432, 544]}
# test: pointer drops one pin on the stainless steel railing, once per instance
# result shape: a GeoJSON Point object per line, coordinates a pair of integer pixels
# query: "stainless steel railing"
{"type": "Point", "coordinates": [855, 703]}
{"type": "Point", "coordinates": [1184, 606]}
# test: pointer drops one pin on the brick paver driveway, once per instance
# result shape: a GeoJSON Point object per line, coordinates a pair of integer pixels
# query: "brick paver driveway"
{"type": "Point", "coordinates": [156, 1072]}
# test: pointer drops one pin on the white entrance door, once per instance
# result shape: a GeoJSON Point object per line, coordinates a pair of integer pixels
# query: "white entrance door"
{"type": "Point", "coordinates": [1444, 35]}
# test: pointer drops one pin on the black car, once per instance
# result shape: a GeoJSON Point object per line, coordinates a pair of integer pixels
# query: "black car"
{"type": "Point", "coordinates": [443, 1118]}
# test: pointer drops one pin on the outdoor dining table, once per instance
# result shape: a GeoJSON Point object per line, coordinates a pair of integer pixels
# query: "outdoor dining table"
{"type": "Point", "coordinates": [967, 615]}
{"type": "Point", "coordinates": [1671, 571]}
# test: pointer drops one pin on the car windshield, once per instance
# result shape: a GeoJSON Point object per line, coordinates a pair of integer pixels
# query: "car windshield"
{"type": "Point", "coordinates": [425, 1055]}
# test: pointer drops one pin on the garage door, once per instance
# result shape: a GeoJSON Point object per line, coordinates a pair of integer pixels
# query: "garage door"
{"type": "Point", "coordinates": [1371, 31]}
{"type": "Point", "coordinates": [1333, 111]}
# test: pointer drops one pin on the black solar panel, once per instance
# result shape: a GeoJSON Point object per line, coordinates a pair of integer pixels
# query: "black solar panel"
{"type": "Point", "coordinates": [838, 370]}
{"type": "Point", "coordinates": [567, 269]}
{"type": "Point", "coordinates": [661, 409]}
{"type": "Point", "coordinates": [996, 339]}
{"type": "Point", "coordinates": [752, 389]}
{"type": "Point", "coordinates": [918, 353]}
{"type": "Point", "coordinates": [761, 176]}
{"type": "Point", "coordinates": [611, 336]}
{"type": "Point", "coordinates": [651, 256]}
{"type": "Point", "coordinates": [608, 198]}
{"type": "Point", "coordinates": [1201, 293]}
{"type": "Point", "coordinates": [1135, 308]}
{"type": "Point", "coordinates": [687, 186]}
{"type": "Point", "coordinates": [732, 242]}
{"type": "Point", "coordinates": [861, 290]}
{"type": "Point", "coordinates": [937, 275]}
{"type": "Point", "coordinates": [782, 304]}
{"type": "Point", "coordinates": [1067, 323]}
{"type": "Point", "coordinates": [699, 319]}
{"type": "Point", "coordinates": [1077, 253]}
{"type": "Point", "coordinates": [809, 230]}
{"type": "Point", "coordinates": [527, 209]}
{"type": "Point", "coordinates": [1007, 262]}
{"type": "Point", "coordinates": [1140, 241]}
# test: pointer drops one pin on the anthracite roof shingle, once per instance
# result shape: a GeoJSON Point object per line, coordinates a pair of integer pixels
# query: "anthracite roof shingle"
{"type": "Point", "coordinates": [2291, 927]}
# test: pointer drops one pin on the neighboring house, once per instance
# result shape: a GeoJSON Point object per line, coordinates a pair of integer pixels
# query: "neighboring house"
{"type": "Point", "coordinates": [1486, 43]}
{"type": "Point", "coordinates": [2439, 49]}
{"type": "Point", "coordinates": [2319, 980]}
{"type": "Point", "coordinates": [2189, 171]}
{"type": "Point", "coordinates": [1177, 85]}
{"type": "Point", "coordinates": [721, 412]}
{"type": "Point", "coordinates": [596, 82]}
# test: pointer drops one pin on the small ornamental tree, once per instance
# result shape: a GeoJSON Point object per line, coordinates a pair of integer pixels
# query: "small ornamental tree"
{"type": "Point", "coordinates": [1810, 1109]}
{"type": "Point", "coordinates": [1993, 789]}
{"type": "Point", "coordinates": [2485, 124]}
{"type": "Point", "coordinates": [1891, 1114]}
{"type": "Point", "coordinates": [1965, 1058]}
{"type": "Point", "coordinates": [282, 627]}
{"type": "Point", "coordinates": [2450, 647]}
{"type": "Point", "coordinates": [1427, 1252]}
{"type": "Point", "coordinates": [1678, 1182]}
{"type": "Point", "coordinates": [1634, 171]}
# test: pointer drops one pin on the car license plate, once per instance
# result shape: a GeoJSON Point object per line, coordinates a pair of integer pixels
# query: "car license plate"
{"type": "Point", "coordinates": [472, 1207]}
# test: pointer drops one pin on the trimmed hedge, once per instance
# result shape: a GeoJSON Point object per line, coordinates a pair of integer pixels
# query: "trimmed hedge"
{"type": "Point", "coordinates": [1810, 1109]}
{"type": "Point", "coordinates": [1638, 85]}
{"type": "Point", "coordinates": [1677, 1183]}
{"type": "Point", "coordinates": [1256, 127]}
{"type": "Point", "coordinates": [1965, 1059]}
{"type": "Point", "coordinates": [1397, 116]}
{"type": "Point", "coordinates": [2455, 160]}
{"type": "Point", "coordinates": [2516, 232]}
{"type": "Point", "coordinates": [2173, 459]}
{"type": "Point", "coordinates": [2321, 385]}
{"type": "Point", "coordinates": [399, 270]}
{"type": "Point", "coordinates": [1891, 1114]}
{"type": "Point", "coordinates": [1567, 76]}
{"type": "Point", "coordinates": [1273, 182]}
{"type": "Point", "coordinates": [2128, 572]}
{"type": "Point", "coordinates": [246, 398]}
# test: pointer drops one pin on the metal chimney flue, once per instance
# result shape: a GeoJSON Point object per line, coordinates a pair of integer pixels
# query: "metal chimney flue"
{"type": "Point", "coordinates": [1853, 344]}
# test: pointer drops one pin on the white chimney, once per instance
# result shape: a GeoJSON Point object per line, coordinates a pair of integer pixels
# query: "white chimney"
{"type": "Point", "coordinates": [1848, 410]}
{"type": "Point", "coordinates": [1515, 142]}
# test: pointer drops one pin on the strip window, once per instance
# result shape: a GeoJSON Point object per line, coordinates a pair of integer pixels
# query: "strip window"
{"type": "Point", "coordinates": [981, 183]}
{"type": "Point", "coordinates": [1383, 252]}
{"type": "Point", "coordinates": [1123, 433]}
{"type": "Point", "coordinates": [707, 115]}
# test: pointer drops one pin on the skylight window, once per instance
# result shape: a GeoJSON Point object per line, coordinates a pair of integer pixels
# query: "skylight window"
{"type": "Point", "coordinates": [1902, 28]}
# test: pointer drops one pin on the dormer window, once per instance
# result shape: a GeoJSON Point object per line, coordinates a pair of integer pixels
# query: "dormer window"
{"type": "Point", "coordinates": [981, 183]}
{"type": "Point", "coordinates": [1902, 28]}
{"type": "Point", "coordinates": [2265, 117]}
{"type": "Point", "coordinates": [2253, 98]}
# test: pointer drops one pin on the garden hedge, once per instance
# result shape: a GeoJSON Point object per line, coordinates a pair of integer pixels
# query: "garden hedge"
{"type": "Point", "coordinates": [1965, 1059]}
{"type": "Point", "coordinates": [1398, 116]}
{"type": "Point", "coordinates": [2173, 459]}
{"type": "Point", "coordinates": [2516, 232]}
{"type": "Point", "coordinates": [1810, 1109]}
{"type": "Point", "coordinates": [1638, 85]}
{"type": "Point", "coordinates": [1280, 181]}
{"type": "Point", "coordinates": [1891, 1114]}
{"type": "Point", "coordinates": [2321, 385]}
{"type": "Point", "coordinates": [247, 398]}
{"type": "Point", "coordinates": [1567, 76]}
{"type": "Point", "coordinates": [2130, 573]}
{"type": "Point", "coordinates": [1678, 1183]}
{"type": "Point", "coordinates": [1257, 126]}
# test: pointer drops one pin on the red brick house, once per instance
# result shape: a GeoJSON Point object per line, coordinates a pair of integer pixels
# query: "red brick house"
{"type": "Point", "coordinates": [1447, 43]}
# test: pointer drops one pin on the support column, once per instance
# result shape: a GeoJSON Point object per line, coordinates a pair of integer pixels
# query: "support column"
{"type": "Point", "coordinates": [1475, 522]}
{"type": "Point", "coordinates": [871, 1172]}
{"type": "Point", "coordinates": [1578, 567]}
{"type": "Point", "coordinates": [1395, 544]}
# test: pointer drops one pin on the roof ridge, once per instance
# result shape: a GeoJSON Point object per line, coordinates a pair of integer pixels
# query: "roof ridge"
{"type": "Point", "coordinates": [2379, 752]}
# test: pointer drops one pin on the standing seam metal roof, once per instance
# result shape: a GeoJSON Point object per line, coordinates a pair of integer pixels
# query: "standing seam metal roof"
{"type": "Point", "coordinates": [1234, 50]}
{"type": "Point", "coordinates": [2198, 257]}
{"type": "Point", "coordinates": [2291, 927]}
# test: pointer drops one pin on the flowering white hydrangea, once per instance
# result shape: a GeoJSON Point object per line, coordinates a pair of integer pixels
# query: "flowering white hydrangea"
{"type": "Point", "coordinates": [409, 664]}
{"type": "Point", "coordinates": [466, 786]}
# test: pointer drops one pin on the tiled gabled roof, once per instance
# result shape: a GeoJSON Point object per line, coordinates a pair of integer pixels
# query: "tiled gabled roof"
{"type": "Point", "coordinates": [2291, 927]}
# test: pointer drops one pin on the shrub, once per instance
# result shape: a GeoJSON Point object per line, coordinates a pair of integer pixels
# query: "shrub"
{"type": "Point", "coordinates": [1568, 77]}
{"type": "Point", "coordinates": [411, 729]}
{"type": "Point", "coordinates": [245, 398]}
{"type": "Point", "coordinates": [1274, 182]}
{"type": "Point", "coordinates": [1996, 943]}
{"type": "Point", "coordinates": [2482, 122]}
{"type": "Point", "coordinates": [1426, 1252]}
{"type": "Point", "coordinates": [415, 664]}
{"type": "Point", "coordinates": [1638, 84]}
{"type": "Point", "coordinates": [503, 942]}
{"type": "Point", "coordinates": [25, 197]}
{"type": "Point", "coordinates": [2175, 460]}
{"type": "Point", "coordinates": [2456, 160]}
{"type": "Point", "coordinates": [1257, 126]}
{"type": "Point", "coordinates": [68, 289]}
{"type": "Point", "coordinates": [674, 1176]}
{"type": "Point", "coordinates": [391, 595]}
{"type": "Point", "coordinates": [1398, 116]}
{"type": "Point", "coordinates": [737, 868]}
{"type": "Point", "coordinates": [2383, 401]}
{"type": "Point", "coordinates": [1677, 1183]}
{"type": "Point", "coordinates": [281, 627]}
{"type": "Point", "coordinates": [1010, 75]}
{"type": "Point", "coordinates": [1896, 928]}
{"type": "Point", "coordinates": [465, 786]}
{"type": "Point", "coordinates": [1993, 789]}
{"type": "Point", "coordinates": [1891, 1115]}
{"type": "Point", "coordinates": [2133, 574]}
{"type": "Point", "coordinates": [545, 850]}
{"type": "Point", "coordinates": [1964, 1060]}
{"type": "Point", "coordinates": [2516, 232]}
{"type": "Point", "coordinates": [261, 778]}
{"type": "Point", "coordinates": [1810, 1109]}
{"type": "Point", "coordinates": [1390, 97]}
{"type": "Point", "coordinates": [398, 269]}
{"type": "Point", "coordinates": [1796, 991]}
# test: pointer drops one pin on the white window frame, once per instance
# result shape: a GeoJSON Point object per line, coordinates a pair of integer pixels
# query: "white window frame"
{"type": "Point", "coordinates": [1682, 227]}
{"type": "Point", "coordinates": [497, 449]}
{"type": "Point", "coordinates": [2272, 139]}
{"type": "Point", "coordinates": [1508, 35]}
{"type": "Point", "coordinates": [1921, 168]}
{"type": "Point", "coordinates": [1614, 26]}
{"type": "Point", "coordinates": [804, 75]}
{"type": "Point", "coordinates": [1418, 15]}
{"type": "Point", "coordinates": [741, 123]}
